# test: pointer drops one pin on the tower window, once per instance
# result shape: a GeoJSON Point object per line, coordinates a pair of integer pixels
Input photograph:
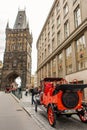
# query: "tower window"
{"type": "Point", "coordinates": [14, 63]}
{"type": "Point", "coordinates": [20, 16]}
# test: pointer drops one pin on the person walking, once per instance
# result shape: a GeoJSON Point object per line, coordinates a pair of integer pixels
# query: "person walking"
{"type": "Point", "coordinates": [33, 92]}
{"type": "Point", "coordinates": [26, 92]}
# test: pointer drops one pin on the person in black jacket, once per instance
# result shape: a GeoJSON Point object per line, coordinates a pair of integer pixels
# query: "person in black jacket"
{"type": "Point", "coordinates": [33, 92]}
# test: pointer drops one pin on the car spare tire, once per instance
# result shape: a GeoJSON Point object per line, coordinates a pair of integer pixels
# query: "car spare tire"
{"type": "Point", "coordinates": [70, 99]}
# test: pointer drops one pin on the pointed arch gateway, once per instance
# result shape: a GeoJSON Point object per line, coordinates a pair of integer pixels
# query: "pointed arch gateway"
{"type": "Point", "coordinates": [13, 79]}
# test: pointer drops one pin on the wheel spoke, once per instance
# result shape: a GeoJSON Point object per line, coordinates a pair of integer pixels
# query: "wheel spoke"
{"type": "Point", "coordinates": [51, 116]}
{"type": "Point", "coordinates": [84, 117]}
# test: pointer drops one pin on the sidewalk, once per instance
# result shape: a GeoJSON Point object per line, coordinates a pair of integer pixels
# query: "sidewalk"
{"type": "Point", "coordinates": [25, 103]}
{"type": "Point", "coordinates": [13, 116]}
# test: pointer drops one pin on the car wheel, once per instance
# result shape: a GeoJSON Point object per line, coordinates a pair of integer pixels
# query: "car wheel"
{"type": "Point", "coordinates": [83, 116]}
{"type": "Point", "coordinates": [51, 116]}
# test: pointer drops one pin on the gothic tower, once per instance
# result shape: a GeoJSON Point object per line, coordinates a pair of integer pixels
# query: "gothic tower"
{"type": "Point", "coordinates": [17, 56]}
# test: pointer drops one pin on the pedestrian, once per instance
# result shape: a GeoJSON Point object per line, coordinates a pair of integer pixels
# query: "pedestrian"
{"type": "Point", "coordinates": [39, 89]}
{"type": "Point", "coordinates": [32, 94]}
{"type": "Point", "coordinates": [26, 92]}
{"type": "Point", "coordinates": [33, 91]}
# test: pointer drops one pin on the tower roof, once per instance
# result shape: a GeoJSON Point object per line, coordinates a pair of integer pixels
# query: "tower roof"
{"type": "Point", "coordinates": [7, 25]}
{"type": "Point", "coordinates": [21, 21]}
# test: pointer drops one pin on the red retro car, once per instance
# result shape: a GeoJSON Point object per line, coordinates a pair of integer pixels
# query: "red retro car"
{"type": "Point", "coordinates": [62, 98]}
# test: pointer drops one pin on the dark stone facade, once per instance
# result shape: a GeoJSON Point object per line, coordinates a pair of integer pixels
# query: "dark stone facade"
{"type": "Point", "coordinates": [17, 56]}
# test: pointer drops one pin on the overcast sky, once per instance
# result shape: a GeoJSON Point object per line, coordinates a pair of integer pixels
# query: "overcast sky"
{"type": "Point", "coordinates": [36, 11]}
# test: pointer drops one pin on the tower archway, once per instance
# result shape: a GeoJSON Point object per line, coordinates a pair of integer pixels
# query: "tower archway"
{"type": "Point", "coordinates": [13, 80]}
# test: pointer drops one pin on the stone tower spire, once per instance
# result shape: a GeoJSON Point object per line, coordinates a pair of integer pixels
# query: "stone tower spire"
{"type": "Point", "coordinates": [7, 26]}
{"type": "Point", "coordinates": [17, 56]}
{"type": "Point", "coordinates": [21, 22]}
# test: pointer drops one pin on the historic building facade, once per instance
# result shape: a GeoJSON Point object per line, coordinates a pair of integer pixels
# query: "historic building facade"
{"type": "Point", "coordinates": [17, 56]}
{"type": "Point", "coordinates": [62, 43]}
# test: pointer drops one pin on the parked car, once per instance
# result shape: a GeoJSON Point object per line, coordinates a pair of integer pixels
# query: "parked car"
{"type": "Point", "coordinates": [59, 97]}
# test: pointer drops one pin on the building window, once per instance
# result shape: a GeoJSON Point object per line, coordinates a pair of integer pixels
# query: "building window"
{"type": "Point", "coordinates": [58, 38]}
{"type": "Point", "coordinates": [58, 21]}
{"type": "Point", "coordinates": [77, 17]}
{"type": "Point", "coordinates": [57, 7]}
{"type": "Point", "coordinates": [42, 36]}
{"type": "Point", "coordinates": [45, 32]}
{"type": "Point", "coordinates": [14, 63]}
{"type": "Point", "coordinates": [45, 71]}
{"type": "Point", "coordinates": [14, 47]}
{"type": "Point", "coordinates": [52, 29]}
{"type": "Point", "coordinates": [49, 69]}
{"type": "Point", "coordinates": [48, 49]}
{"type": "Point", "coordinates": [53, 18]}
{"type": "Point", "coordinates": [54, 67]}
{"type": "Point", "coordinates": [19, 24]}
{"type": "Point", "coordinates": [45, 42]}
{"type": "Point", "coordinates": [20, 16]}
{"type": "Point", "coordinates": [49, 25]}
{"type": "Point", "coordinates": [45, 53]}
{"type": "Point", "coordinates": [81, 53]}
{"type": "Point", "coordinates": [69, 60]}
{"type": "Point", "coordinates": [66, 29]}
{"type": "Point", "coordinates": [53, 44]}
{"type": "Point", "coordinates": [60, 65]}
{"type": "Point", "coordinates": [65, 9]}
{"type": "Point", "coordinates": [48, 36]}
